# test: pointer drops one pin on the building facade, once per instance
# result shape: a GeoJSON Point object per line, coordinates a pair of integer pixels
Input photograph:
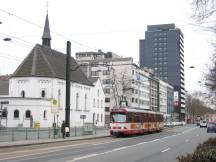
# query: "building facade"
{"type": "Point", "coordinates": [123, 80]}
{"type": "Point", "coordinates": [37, 91]}
{"type": "Point", "coordinates": [163, 51]}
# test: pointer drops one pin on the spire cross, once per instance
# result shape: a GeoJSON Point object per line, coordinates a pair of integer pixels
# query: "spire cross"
{"type": "Point", "coordinates": [47, 5]}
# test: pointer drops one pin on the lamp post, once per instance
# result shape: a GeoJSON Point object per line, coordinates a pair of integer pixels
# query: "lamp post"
{"type": "Point", "coordinates": [67, 108]}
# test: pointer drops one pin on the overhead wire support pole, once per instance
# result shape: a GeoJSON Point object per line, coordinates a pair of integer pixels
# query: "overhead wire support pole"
{"type": "Point", "coordinates": [67, 108]}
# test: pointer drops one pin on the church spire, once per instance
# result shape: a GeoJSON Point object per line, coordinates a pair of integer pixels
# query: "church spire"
{"type": "Point", "coordinates": [46, 38]}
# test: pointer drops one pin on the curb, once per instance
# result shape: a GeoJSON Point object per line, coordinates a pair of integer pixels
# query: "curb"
{"type": "Point", "coordinates": [47, 142]}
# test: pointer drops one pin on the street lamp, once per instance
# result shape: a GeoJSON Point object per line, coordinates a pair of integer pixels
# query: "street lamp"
{"type": "Point", "coordinates": [7, 39]}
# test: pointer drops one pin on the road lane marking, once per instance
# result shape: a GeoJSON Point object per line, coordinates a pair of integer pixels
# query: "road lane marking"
{"type": "Point", "coordinates": [44, 149]}
{"type": "Point", "coordinates": [96, 144]}
{"type": "Point", "coordinates": [113, 150]}
{"type": "Point", "coordinates": [20, 156]}
{"type": "Point", "coordinates": [187, 140]}
{"type": "Point", "coordinates": [197, 135]}
{"type": "Point", "coordinates": [166, 150]}
{"type": "Point", "coordinates": [83, 157]}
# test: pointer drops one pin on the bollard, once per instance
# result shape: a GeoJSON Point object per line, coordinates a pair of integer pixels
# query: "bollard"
{"type": "Point", "coordinates": [49, 132]}
{"type": "Point", "coordinates": [12, 134]}
{"type": "Point", "coordinates": [75, 131]}
{"type": "Point", "coordinates": [26, 134]}
{"type": "Point", "coordinates": [38, 133]}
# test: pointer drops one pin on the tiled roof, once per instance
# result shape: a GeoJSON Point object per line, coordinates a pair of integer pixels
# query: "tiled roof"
{"type": "Point", "coordinates": [4, 87]}
{"type": "Point", "coordinates": [43, 61]}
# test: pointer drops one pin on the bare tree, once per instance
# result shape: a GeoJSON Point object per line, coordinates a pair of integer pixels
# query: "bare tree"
{"type": "Point", "coordinates": [204, 15]}
{"type": "Point", "coordinates": [203, 9]}
{"type": "Point", "coordinates": [196, 107]}
{"type": "Point", "coordinates": [121, 86]}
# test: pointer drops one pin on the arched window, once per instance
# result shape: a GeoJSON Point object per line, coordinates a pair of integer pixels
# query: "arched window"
{"type": "Point", "coordinates": [16, 113]}
{"type": "Point", "coordinates": [97, 103]}
{"type": "Point", "coordinates": [77, 101]}
{"type": "Point", "coordinates": [23, 94]}
{"type": "Point", "coordinates": [85, 106]}
{"type": "Point", "coordinates": [45, 114]}
{"type": "Point", "coordinates": [28, 114]}
{"type": "Point", "coordinates": [98, 92]}
{"type": "Point", "coordinates": [101, 103]}
{"type": "Point", "coordinates": [43, 93]}
{"type": "Point", "coordinates": [4, 113]}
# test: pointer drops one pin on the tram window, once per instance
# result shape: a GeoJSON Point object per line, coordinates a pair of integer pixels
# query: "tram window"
{"type": "Point", "coordinates": [145, 117]}
{"type": "Point", "coordinates": [129, 117]}
{"type": "Point", "coordinates": [136, 118]}
{"type": "Point", "coordinates": [142, 117]}
{"type": "Point", "coordinates": [118, 117]}
{"type": "Point", "coordinates": [150, 118]}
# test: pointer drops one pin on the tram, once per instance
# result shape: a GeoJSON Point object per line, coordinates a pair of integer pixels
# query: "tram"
{"type": "Point", "coordinates": [129, 121]}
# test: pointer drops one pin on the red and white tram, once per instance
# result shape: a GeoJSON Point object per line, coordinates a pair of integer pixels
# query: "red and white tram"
{"type": "Point", "coordinates": [128, 121]}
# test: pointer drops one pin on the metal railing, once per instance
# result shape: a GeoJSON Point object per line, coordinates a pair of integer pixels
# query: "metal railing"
{"type": "Point", "coordinates": [17, 134]}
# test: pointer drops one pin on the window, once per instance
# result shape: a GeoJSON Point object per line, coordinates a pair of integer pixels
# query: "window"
{"type": "Point", "coordinates": [101, 103]}
{"type": "Point", "coordinates": [23, 94]}
{"type": "Point", "coordinates": [94, 102]}
{"type": "Point", "coordinates": [45, 114]}
{"type": "Point", "coordinates": [77, 101]}
{"type": "Point", "coordinates": [136, 118]}
{"type": "Point", "coordinates": [118, 117]}
{"type": "Point", "coordinates": [101, 117]}
{"type": "Point", "coordinates": [4, 113]}
{"type": "Point", "coordinates": [106, 72]}
{"type": "Point", "coordinates": [85, 104]}
{"type": "Point", "coordinates": [97, 103]}
{"type": "Point", "coordinates": [98, 93]}
{"type": "Point", "coordinates": [94, 73]}
{"type": "Point", "coordinates": [132, 100]}
{"type": "Point", "coordinates": [107, 90]}
{"type": "Point", "coordinates": [27, 114]}
{"type": "Point", "coordinates": [16, 113]}
{"type": "Point", "coordinates": [43, 93]}
{"type": "Point", "coordinates": [97, 117]}
{"type": "Point", "coordinates": [107, 81]}
{"type": "Point", "coordinates": [107, 100]}
{"type": "Point", "coordinates": [107, 109]}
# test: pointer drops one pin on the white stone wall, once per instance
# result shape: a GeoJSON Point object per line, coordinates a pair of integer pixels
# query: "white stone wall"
{"type": "Point", "coordinates": [54, 90]}
{"type": "Point", "coordinates": [36, 107]}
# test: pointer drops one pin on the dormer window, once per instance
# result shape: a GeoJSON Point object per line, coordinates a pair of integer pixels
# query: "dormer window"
{"type": "Point", "coordinates": [43, 93]}
{"type": "Point", "coordinates": [23, 94]}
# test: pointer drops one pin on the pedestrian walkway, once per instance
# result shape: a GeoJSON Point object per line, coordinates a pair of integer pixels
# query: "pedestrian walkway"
{"type": "Point", "coordinates": [99, 134]}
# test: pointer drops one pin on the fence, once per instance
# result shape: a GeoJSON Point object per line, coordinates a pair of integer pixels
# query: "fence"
{"type": "Point", "coordinates": [17, 134]}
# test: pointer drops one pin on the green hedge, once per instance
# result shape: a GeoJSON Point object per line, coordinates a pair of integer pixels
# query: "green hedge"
{"type": "Point", "coordinates": [205, 152]}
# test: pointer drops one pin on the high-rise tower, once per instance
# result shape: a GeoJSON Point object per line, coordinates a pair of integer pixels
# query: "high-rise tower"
{"type": "Point", "coordinates": [163, 51]}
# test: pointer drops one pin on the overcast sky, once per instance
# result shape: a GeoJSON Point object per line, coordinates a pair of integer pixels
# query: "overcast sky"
{"type": "Point", "coordinates": [109, 25]}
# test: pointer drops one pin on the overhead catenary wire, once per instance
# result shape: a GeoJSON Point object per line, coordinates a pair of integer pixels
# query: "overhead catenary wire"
{"type": "Point", "coordinates": [32, 23]}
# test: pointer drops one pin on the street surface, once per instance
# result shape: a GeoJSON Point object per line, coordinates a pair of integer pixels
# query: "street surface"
{"type": "Point", "coordinates": [158, 147]}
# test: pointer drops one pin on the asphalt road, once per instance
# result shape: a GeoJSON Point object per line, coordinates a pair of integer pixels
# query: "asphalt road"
{"type": "Point", "coordinates": [158, 147]}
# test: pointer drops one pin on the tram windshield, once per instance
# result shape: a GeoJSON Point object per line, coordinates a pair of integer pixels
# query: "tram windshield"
{"type": "Point", "coordinates": [118, 117]}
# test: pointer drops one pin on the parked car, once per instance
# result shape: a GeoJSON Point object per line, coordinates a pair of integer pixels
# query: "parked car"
{"type": "Point", "coordinates": [211, 127]}
{"type": "Point", "coordinates": [203, 123]}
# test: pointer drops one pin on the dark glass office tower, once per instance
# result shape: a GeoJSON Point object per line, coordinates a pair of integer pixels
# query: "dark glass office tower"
{"type": "Point", "coordinates": [163, 51]}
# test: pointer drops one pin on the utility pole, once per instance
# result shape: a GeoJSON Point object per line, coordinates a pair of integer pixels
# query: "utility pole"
{"type": "Point", "coordinates": [67, 109]}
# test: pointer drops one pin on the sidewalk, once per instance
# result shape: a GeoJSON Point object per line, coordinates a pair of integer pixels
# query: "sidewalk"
{"type": "Point", "coordinates": [99, 134]}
